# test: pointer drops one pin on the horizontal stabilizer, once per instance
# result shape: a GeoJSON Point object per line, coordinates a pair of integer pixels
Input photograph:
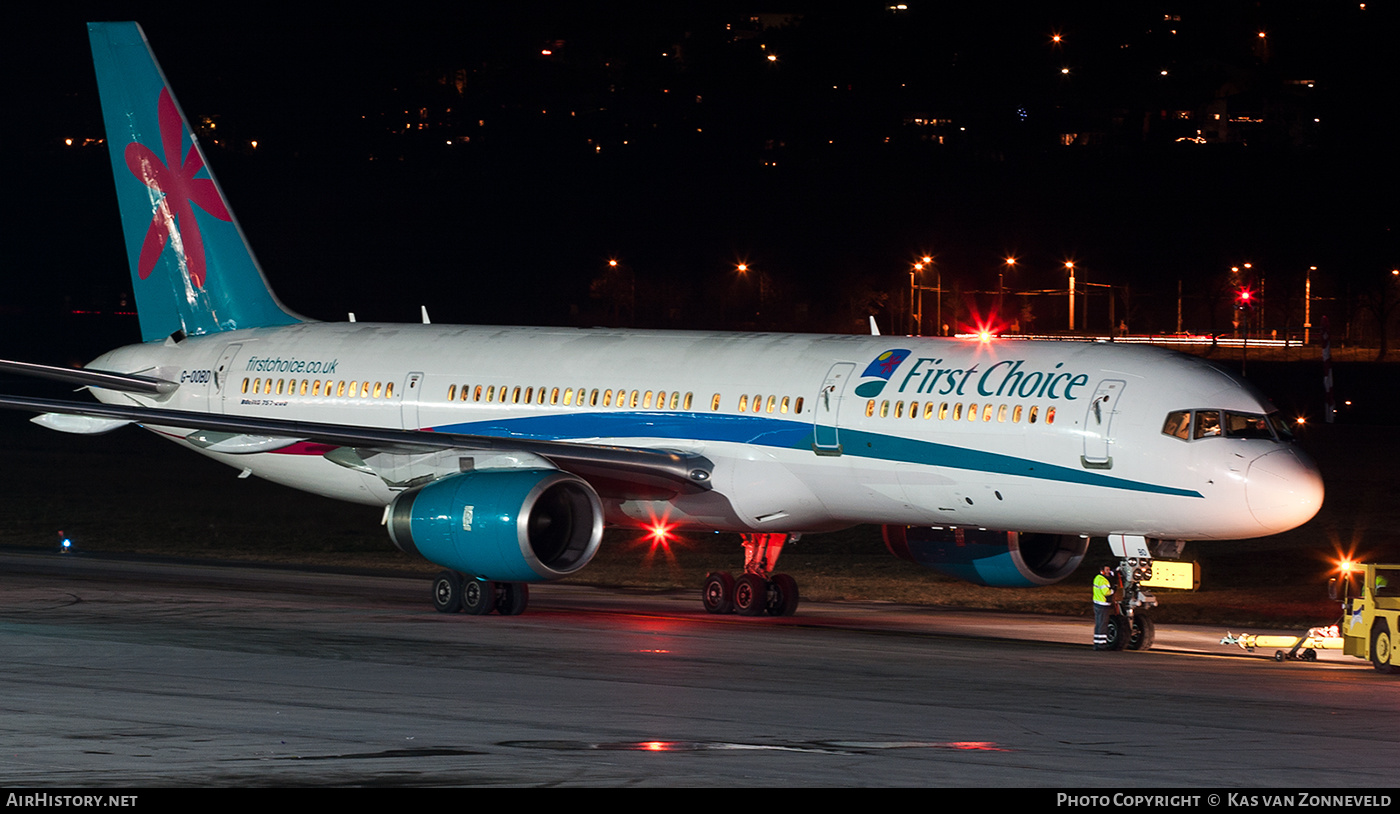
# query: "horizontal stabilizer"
{"type": "Point", "coordinates": [107, 380]}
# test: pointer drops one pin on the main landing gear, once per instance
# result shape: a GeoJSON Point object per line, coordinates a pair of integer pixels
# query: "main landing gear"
{"type": "Point", "coordinates": [757, 591]}
{"type": "Point", "coordinates": [453, 592]}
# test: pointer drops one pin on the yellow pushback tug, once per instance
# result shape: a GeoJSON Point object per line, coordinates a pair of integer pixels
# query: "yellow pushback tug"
{"type": "Point", "coordinates": [1368, 627]}
{"type": "Point", "coordinates": [1370, 613]}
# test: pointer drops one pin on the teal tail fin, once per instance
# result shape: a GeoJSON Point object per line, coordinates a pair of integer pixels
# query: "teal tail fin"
{"type": "Point", "coordinates": [191, 268]}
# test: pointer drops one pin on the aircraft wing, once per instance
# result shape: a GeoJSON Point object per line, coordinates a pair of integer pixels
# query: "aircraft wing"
{"type": "Point", "coordinates": [613, 470]}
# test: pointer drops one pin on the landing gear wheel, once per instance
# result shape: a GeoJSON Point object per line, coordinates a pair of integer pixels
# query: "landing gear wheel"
{"type": "Point", "coordinates": [447, 592]}
{"type": "Point", "coordinates": [782, 595]}
{"type": "Point", "coordinates": [1118, 633]}
{"type": "Point", "coordinates": [512, 598]}
{"type": "Point", "coordinates": [1382, 648]}
{"type": "Point", "coordinates": [750, 595]}
{"type": "Point", "coordinates": [718, 593]}
{"type": "Point", "coordinates": [478, 596]}
{"type": "Point", "coordinates": [1144, 632]}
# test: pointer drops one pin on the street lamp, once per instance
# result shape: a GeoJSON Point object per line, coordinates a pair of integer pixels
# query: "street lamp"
{"type": "Point", "coordinates": [916, 301]}
{"type": "Point", "coordinates": [1245, 299]}
{"type": "Point", "coordinates": [743, 269]}
{"type": "Point", "coordinates": [1001, 287]}
{"type": "Point", "coordinates": [916, 296]}
{"type": "Point", "coordinates": [938, 287]}
{"type": "Point", "coordinates": [1069, 266]}
{"type": "Point", "coordinates": [1307, 304]}
{"type": "Point", "coordinates": [1241, 277]}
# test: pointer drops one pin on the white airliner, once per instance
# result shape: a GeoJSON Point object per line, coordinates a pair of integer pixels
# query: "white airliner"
{"type": "Point", "coordinates": [501, 453]}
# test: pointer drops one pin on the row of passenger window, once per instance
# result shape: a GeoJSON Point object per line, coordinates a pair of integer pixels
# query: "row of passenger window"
{"type": "Point", "coordinates": [318, 387]}
{"type": "Point", "coordinates": [956, 412]}
{"type": "Point", "coordinates": [506, 394]}
{"type": "Point", "coordinates": [633, 399]}
{"type": "Point", "coordinates": [778, 404]}
{"type": "Point", "coordinates": [567, 396]}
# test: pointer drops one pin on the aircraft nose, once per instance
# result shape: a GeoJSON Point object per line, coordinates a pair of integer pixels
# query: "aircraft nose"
{"type": "Point", "coordinates": [1283, 489]}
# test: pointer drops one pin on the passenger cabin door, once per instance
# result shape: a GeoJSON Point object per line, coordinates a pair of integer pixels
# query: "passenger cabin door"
{"type": "Point", "coordinates": [1098, 425]}
{"type": "Point", "coordinates": [223, 381]}
{"type": "Point", "coordinates": [827, 411]}
{"type": "Point", "coordinates": [412, 391]}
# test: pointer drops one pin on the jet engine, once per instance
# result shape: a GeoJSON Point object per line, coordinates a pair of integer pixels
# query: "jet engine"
{"type": "Point", "coordinates": [507, 525]}
{"type": "Point", "coordinates": [1002, 559]}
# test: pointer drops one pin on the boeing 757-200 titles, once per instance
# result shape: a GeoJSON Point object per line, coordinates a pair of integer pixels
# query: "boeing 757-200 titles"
{"type": "Point", "coordinates": [501, 453]}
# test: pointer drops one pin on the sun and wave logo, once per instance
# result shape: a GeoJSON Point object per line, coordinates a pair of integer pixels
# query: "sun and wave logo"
{"type": "Point", "coordinates": [877, 374]}
{"type": "Point", "coordinates": [179, 191]}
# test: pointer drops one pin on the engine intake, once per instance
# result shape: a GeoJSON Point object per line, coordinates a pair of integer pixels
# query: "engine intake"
{"type": "Point", "coordinates": [510, 525]}
{"type": "Point", "coordinates": [1003, 559]}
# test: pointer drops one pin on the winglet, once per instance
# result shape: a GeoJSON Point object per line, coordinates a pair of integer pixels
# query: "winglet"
{"type": "Point", "coordinates": [191, 267]}
{"type": "Point", "coordinates": [874, 329]}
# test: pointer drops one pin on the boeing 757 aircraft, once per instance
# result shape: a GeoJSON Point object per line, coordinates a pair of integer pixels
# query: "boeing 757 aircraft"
{"type": "Point", "coordinates": [501, 453]}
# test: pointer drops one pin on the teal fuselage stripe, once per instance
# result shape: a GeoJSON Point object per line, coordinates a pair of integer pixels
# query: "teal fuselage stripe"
{"type": "Point", "coordinates": [787, 434]}
{"type": "Point", "coordinates": [908, 450]}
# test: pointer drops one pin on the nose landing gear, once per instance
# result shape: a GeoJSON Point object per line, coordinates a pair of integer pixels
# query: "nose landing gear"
{"type": "Point", "coordinates": [1132, 628]}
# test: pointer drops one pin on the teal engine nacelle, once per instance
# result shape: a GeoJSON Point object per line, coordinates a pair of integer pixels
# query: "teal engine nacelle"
{"type": "Point", "coordinates": [508, 525]}
{"type": "Point", "coordinates": [1002, 559]}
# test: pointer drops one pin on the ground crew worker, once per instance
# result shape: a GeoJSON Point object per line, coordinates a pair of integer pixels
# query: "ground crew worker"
{"type": "Point", "coordinates": [1103, 592]}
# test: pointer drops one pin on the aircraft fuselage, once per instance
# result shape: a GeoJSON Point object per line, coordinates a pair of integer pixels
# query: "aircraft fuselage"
{"type": "Point", "coordinates": [806, 432]}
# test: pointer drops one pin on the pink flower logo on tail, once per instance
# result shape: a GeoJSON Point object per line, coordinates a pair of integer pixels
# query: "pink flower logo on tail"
{"type": "Point", "coordinates": [178, 189]}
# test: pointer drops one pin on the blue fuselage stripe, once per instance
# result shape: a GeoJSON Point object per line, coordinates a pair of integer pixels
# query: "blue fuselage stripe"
{"type": "Point", "coordinates": [787, 434]}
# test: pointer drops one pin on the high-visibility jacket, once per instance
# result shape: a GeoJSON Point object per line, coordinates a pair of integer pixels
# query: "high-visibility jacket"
{"type": "Point", "coordinates": [1102, 590]}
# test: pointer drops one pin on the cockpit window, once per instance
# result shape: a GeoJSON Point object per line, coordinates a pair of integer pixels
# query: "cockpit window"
{"type": "Point", "coordinates": [1207, 424]}
{"type": "Point", "coordinates": [1178, 424]}
{"type": "Point", "coordinates": [1194, 424]}
{"type": "Point", "coordinates": [1247, 425]}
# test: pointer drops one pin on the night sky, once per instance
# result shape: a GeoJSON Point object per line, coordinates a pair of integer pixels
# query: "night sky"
{"type": "Point", "coordinates": [660, 135]}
